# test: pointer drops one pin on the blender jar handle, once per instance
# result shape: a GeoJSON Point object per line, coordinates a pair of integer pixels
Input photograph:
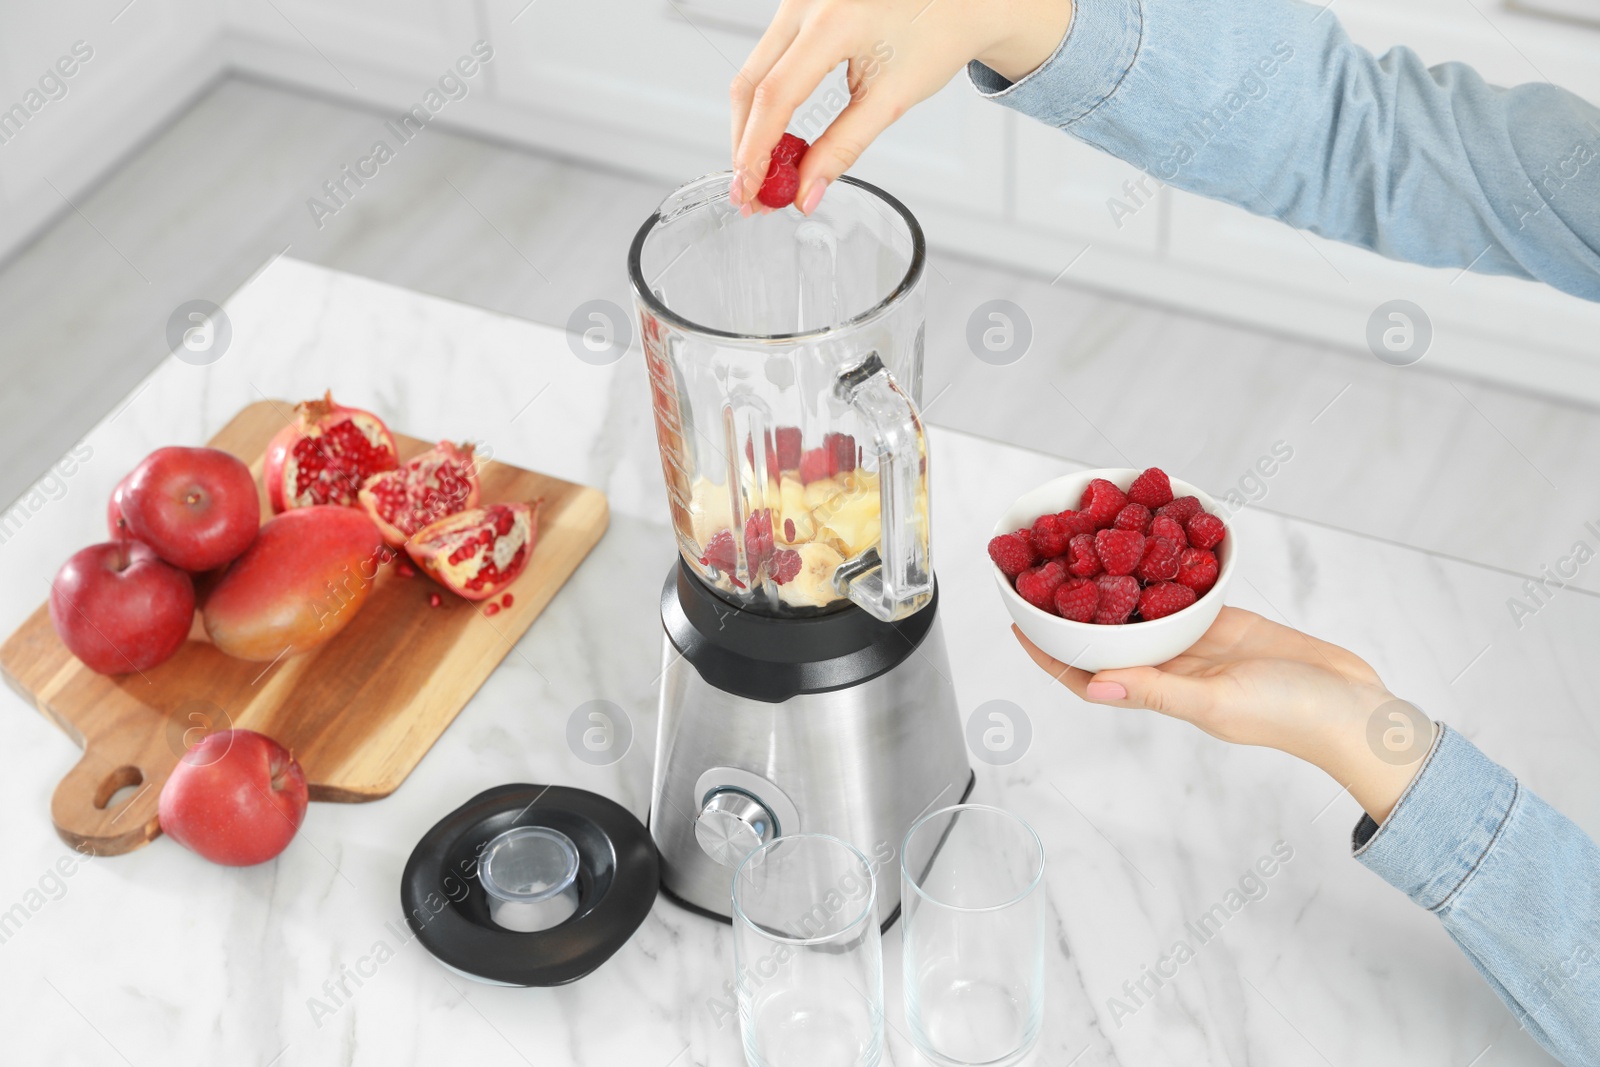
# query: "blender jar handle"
{"type": "Point", "coordinates": [897, 579]}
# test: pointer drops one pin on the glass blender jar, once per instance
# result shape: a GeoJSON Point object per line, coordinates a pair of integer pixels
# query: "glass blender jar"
{"type": "Point", "coordinates": [785, 358]}
{"type": "Point", "coordinates": [805, 685]}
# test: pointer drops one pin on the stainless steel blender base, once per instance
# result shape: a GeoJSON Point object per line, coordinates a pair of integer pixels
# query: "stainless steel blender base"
{"type": "Point", "coordinates": [861, 763]}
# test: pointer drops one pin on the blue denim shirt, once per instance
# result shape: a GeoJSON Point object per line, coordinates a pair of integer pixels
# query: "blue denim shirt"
{"type": "Point", "coordinates": [1267, 104]}
{"type": "Point", "coordinates": [1516, 884]}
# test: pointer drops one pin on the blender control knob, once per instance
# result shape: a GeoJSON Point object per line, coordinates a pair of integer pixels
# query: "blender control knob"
{"type": "Point", "coordinates": [731, 825]}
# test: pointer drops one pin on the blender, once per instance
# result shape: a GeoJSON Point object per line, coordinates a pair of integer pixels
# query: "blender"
{"type": "Point", "coordinates": [805, 685]}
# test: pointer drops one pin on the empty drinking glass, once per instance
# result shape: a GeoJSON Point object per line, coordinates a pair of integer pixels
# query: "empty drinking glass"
{"type": "Point", "coordinates": [808, 961]}
{"type": "Point", "coordinates": [973, 929]}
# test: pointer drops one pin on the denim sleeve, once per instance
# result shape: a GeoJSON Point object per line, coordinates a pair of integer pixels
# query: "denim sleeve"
{"type": "Point", "coordinates": [1516, 884]}
{"type": "Point", "coordinates": [1268, 105]}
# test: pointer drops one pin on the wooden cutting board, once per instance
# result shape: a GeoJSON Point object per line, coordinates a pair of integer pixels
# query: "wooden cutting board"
{"type": "Point", "coordinates": [358, 712]}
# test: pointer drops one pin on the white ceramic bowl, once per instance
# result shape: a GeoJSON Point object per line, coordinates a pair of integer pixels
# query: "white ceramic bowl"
{"type": "Point", "coordinates": [1102, 648]}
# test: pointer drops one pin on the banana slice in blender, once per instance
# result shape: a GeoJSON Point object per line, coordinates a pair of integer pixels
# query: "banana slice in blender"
{"type": "Point", "coordinates": [812, 587]}
{"type": "Point", "coordinates": [710, 510]}
{"type": "Point", "coordinates": [793, 524]}
{"type": "Point", "coordinates": [851, 519]}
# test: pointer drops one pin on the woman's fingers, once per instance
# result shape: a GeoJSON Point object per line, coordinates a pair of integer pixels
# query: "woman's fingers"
{"type": "Point", "coordinates": [821, 45]}
{"type": "Point", "coordinates": [1071, 677]}
{"type": "Point", "coordinates": [757, 65]}
{"type": "Point", "coordinates": [1180, 695]}
{"type": "Point", "coordinates": [836, 151]}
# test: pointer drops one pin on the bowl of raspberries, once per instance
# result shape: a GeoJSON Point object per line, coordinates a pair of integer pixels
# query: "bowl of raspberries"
{"type": "Point", "coordinates": [1113, 568]}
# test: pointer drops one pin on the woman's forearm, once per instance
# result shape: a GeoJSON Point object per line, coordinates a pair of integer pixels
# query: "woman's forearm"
{"type": "Point", "coordinates": [1516, 884]}
{"type": "Point", "coordinates": [1267, 104]}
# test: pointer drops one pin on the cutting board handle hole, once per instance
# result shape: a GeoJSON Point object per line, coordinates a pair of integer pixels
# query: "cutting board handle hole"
{"type": "Point", "coordinates": [118, 787]}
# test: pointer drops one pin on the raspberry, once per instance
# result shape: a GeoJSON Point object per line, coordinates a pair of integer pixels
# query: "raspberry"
{"type": "Point", "coordinates": [1038, 585]}
{"type": "Point", "coordinates": [788, 447]}
{"type": "Point", "coordinates": [841, 449]}
{"type": "Point", "coordinates": [1012, 553]}
{"type": "Point", "coordinates": [1160, 563]}
{"type": "Point", "coordinates": [1076, 599]}
{"type": "Point", "coordinates": [1205, 531]}
{"type": "Point", "coordinates": [790, 149]}
{"type": "Point", "coordinates": [1152, 488]}
{"type": "Point", "coordinates": [1133, 517]}
{"type": "Point", "coordinates": [1102, 501]}
{"type": "Point", "coordinates": [1163, 599]}
{"type": "Point", "coordinates": [1119, 550]}
{"type": "Point", "coordinates": [1183, 509]}
{"type": "Point", "coordinates": [1084, 560]}
{"type": "Point", "coordinates": [1119, 595]}
{"type": "Point", "coordinates": [1049, 537]}
{"type": "Point", "coordinates": [757, 538]}
{"type": "Point", "coordinates": [1170, 528]}
{"type": "Point", "coordinates": [813, 465]}
{"type": "Point", "coordinates": [1197, 569]}
{"type": "Point", "coordinates": [721, 552]}
{"type": "Point", "coordinates": [785, 565]}
{"type": "Point", "coordinates": [780, 185]}
{"type": "Point", "coordinates": [1077, 522]}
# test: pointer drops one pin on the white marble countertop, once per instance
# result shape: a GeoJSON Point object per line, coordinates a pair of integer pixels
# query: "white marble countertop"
{"type": "Point", "coordinates": [160, 957]}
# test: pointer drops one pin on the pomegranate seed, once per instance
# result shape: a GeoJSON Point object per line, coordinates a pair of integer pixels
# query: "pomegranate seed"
{"type": "Point", "coordinates": [434, 600]}
{"type": "Point", "coordinates": [505, 601]}
{"type": "Point", "coordinates": [491, 608]}
{"type": "Point", "coordinates": [406, 570]}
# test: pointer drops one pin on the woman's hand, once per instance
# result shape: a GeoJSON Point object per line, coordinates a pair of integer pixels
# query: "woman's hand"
{"type": "Point", "coordinates": [1251, 681]}
{"type": "Point", "coordinates": [899, 52]}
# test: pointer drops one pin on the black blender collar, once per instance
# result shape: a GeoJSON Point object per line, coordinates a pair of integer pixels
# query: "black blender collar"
{"type": "Point", "coordinates": [619, 872]}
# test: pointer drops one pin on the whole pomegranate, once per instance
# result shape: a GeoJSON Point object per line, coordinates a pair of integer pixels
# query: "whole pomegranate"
{"type": "Point", "coordinates": [197, 507]}
{"type": "Point", "coordinates": [119, 608]}
{"type": "Point", "coordinates": [479, 552]}
{"type": "Point", "coordinates": [301, 582]}
{"type": "Point", "coordinates": [236, 797]}
{"type": "Point", "coordinates": [325, 454]}
{"type": "Point", "coordinates": [441, 481]}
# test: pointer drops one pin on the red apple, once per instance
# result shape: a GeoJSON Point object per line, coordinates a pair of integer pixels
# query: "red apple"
{"type": "Point", "coordinates": [114, 520]}
{"type": "Point", "coordinates": [236, 797]}
{"type": "Point", "coordinates": [197, 507]}
{"type": "Point", "coordinates": [119, 608]}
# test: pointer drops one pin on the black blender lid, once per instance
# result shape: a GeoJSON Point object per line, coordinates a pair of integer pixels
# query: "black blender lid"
{"type": "Point", "coordinates": [619, 872]}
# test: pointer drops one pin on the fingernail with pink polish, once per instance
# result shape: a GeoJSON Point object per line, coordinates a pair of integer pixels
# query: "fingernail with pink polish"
{"type": "Point", "coordinates": [813, 196]}
{"type": "Point", "coordinates": [1106, 691]}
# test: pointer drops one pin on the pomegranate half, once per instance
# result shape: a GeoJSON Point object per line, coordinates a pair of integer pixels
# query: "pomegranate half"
{"type": "Point", "coordinates": [442, 481]}
{"type": "Point", "coordinates": [325, 454]}
{"type": "Point", "coordinates": [479, 552]}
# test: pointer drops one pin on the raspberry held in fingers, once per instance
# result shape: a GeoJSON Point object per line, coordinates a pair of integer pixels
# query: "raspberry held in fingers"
{"type": "Point", "coordinates": [790, 149]}
{"type": "Point", "coordinates": [783, 181]}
